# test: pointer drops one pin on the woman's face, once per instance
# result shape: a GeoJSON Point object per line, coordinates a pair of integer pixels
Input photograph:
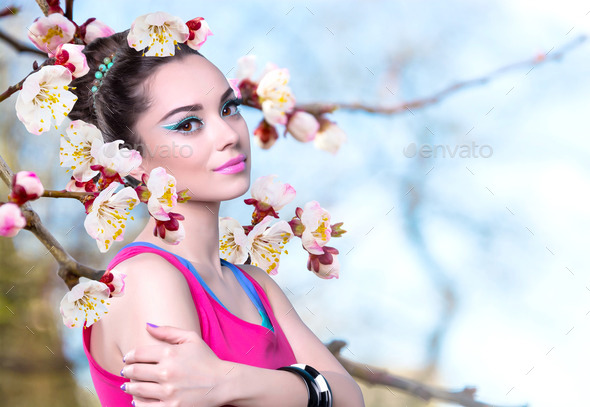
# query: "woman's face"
{"type": "Point", "coordinates": [192, 127]}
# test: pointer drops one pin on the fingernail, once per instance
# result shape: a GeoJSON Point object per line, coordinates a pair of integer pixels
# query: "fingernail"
{"type": "Point", "coordinates": [132, 402]}
{"type": "Point", "coordinates": [123, 387]}
{"type": "Point", "coordinates": [122, 373]}
{"type": "Point", "coordinates": [152, 325]}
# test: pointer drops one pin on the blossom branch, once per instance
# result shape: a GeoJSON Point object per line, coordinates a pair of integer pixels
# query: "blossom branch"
{"type": "Point", "coordinates": [20, 47]}
{"type": "Point", "coordinates": [69, 9]}
{"type": "Point", "coordinates": [15, 88]}
{"type": "Point", "coordinates": [379, 376]}
{"type": "Point", "coordinates": [318, 108]}
{"type": "Point", "coordinates": [81, 196]}
{"type": "Point", "coordinates": [69, 269]}
{"type": "Point", "coordinates": [43, 6]}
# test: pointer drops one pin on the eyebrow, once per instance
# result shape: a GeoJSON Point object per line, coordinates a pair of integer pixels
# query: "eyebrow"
{"type": "Point", "coordinates": [195, 107]}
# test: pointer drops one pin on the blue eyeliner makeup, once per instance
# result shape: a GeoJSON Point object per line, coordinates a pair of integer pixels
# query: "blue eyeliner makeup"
{"type": "Point", "coordinates": [176, 126]}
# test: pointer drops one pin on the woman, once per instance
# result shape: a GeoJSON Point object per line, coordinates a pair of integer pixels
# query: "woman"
{"type": "Point", "coordinates": [208, 345]}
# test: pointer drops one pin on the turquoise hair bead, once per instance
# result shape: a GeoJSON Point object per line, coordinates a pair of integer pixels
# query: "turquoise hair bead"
{"type": "Point", "coordinates": [94, 89]}
{"type": "Point", "coordinates": [98, 75]}
{"type": "Point", "coordinates": [102, 67]}
{"type": "Point", "coordinates": [109, 65]}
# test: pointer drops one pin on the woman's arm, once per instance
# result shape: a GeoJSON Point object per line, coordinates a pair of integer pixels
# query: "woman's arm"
{"type": "Point", "coordinates": [158, 293]}
{"type": "Point", "coordinates": [256, 386]}
{"type": "Point", "coordinates": [239, 384]}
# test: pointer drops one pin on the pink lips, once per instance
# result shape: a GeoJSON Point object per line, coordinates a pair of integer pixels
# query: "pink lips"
{"type": "Point", "coordinates": [232, 166]}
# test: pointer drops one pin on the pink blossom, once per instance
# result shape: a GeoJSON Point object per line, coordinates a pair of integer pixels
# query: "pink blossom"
{"type": "Point", "coordinates": [317, 232]}
{"type": "Point", "coordinates": [163, 197]}
{"type": "Point", "coordinates": [329, 137]}
{"type": "Point", "coordinates": [303, 126]}
{"type": "Point", "coordinates": [265, 135]}
{"type": "Point", "coordinates": [198, 32]}
{"type": "Point", "coordinates": [11, 219]}
{"type": "Point", "coordinates": [272, 192]}
{"type": "Point", "coordinates": [48, 32]}
{"type": "Point", "coordinates": [275, 96]}
{"type": "Point", "coordinates": [235, 85]}
{"type": "Point", "coordinates": [115, 281]}
{"type": "Point", "coordinates": [325, 265]}
{"type": "Point", "coordinates": [45, 99]}
{"type": "Point", "coordinates": [171, 231]}
{"type": "Point", "coordinates": [72, 57]}
{"type": "Point", "coordinates": [159, 32]}
{"type": "Point", "coordinates": [96, 29]}
{"type": "Point", "coordinates": [85, 304]}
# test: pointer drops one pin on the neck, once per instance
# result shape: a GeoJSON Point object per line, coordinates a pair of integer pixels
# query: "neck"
{"type": "Point", "coordinates": [200, 245]}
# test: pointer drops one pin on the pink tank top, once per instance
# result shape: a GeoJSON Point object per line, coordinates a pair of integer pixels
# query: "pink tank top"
{"type": "Point", "coordinates": [230, 337]}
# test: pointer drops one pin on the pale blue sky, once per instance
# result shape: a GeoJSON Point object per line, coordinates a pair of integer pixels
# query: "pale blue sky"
{"type": "Point", "coordinates": [507, 233]}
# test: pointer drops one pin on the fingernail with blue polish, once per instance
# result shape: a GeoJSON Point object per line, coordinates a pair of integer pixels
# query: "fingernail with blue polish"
{"type": "Point", "coordinates": [132, 402]}
{"type": "Point", "coordinates": [123, 387]}
{"type": "Point", "coordinates": [122, 373]}
{"type": "Point", "coordinates": [153, 325]}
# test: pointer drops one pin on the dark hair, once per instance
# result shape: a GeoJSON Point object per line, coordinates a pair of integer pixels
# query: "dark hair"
{"type": "Point", "coordinates": [123, 94]}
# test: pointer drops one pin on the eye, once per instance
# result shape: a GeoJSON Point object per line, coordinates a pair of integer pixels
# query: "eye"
{"type": "Point", "coordinates": [188, 125]}
{"type": "Point", "coordinates": [233, 103]}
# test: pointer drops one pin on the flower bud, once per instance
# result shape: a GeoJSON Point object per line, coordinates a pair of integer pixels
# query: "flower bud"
{"type": "Point", "coordinates": [329, 137]}
{"type": "Point", "coordinates": [303, 126]}
{"type": "Point", "coordinates": [265, 135]}
{"type": "Point", "coordinates": [26, 186]}
{"type": "Point", "coordinates": [96, 29]}
{"type": "Point", "coordinates": [11, 220]}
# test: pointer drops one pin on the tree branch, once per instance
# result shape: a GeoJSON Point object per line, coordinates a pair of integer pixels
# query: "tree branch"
{"type": "Point", "coordinates": [319, 108]}
{"type": "Point", "coordinates": [20, 47]}
{"type": "Point", "coordinates": [15, 88]}
{"type": "Point", "coordinates": [43, 6]}
{"type": "Point", "coordinates": [81, 196]}
{"type": "Point", "coordinates": [69, 269]}
{"type": "Point", "coordinates": [69, 9]}
{"type": "Point", "coordinates": [379, 376]}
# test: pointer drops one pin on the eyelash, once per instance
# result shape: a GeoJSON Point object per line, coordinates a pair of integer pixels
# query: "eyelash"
{"type": "Point", "coordinates": [232, 102]}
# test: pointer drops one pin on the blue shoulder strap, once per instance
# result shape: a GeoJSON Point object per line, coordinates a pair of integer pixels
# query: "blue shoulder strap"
{"type": "Point", "coordinates": [252, 293]}
{"type": "Point", "coordinates": [184, 261]}
{"type": "Point", "coordinates": [244, 282]}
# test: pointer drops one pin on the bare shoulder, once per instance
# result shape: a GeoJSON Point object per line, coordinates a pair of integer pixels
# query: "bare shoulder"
{"type": "Point", "coordinates": [148, 275]}
{"type": "Point", "coordinates": [155, 291]}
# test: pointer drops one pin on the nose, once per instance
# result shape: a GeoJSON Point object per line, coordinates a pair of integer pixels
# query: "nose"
{"type": "Point", "coordinates": [226, 134]}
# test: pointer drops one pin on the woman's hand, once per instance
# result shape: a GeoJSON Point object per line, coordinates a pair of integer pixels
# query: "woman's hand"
{"type": "Point", "coordinates": [182, 372]}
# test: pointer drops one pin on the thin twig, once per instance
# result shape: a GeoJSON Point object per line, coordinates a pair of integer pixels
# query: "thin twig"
{"type": "Point", "coordinates": [15, 88]}
{"type": "Point", "coordinates": [319, 108]}
{"type": "Point", "coordinates": [379, 376]}
{"type": "Point", "coordinates": [43, 6]}
{"type": "Point", "coordinates": [69, 9]}
{"type": "Point", "coordinates": [81, 196]}
{"type": "Point", "coordinates": [20, 47]}
{"type": "Point", "coordinates": [69, 269]}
